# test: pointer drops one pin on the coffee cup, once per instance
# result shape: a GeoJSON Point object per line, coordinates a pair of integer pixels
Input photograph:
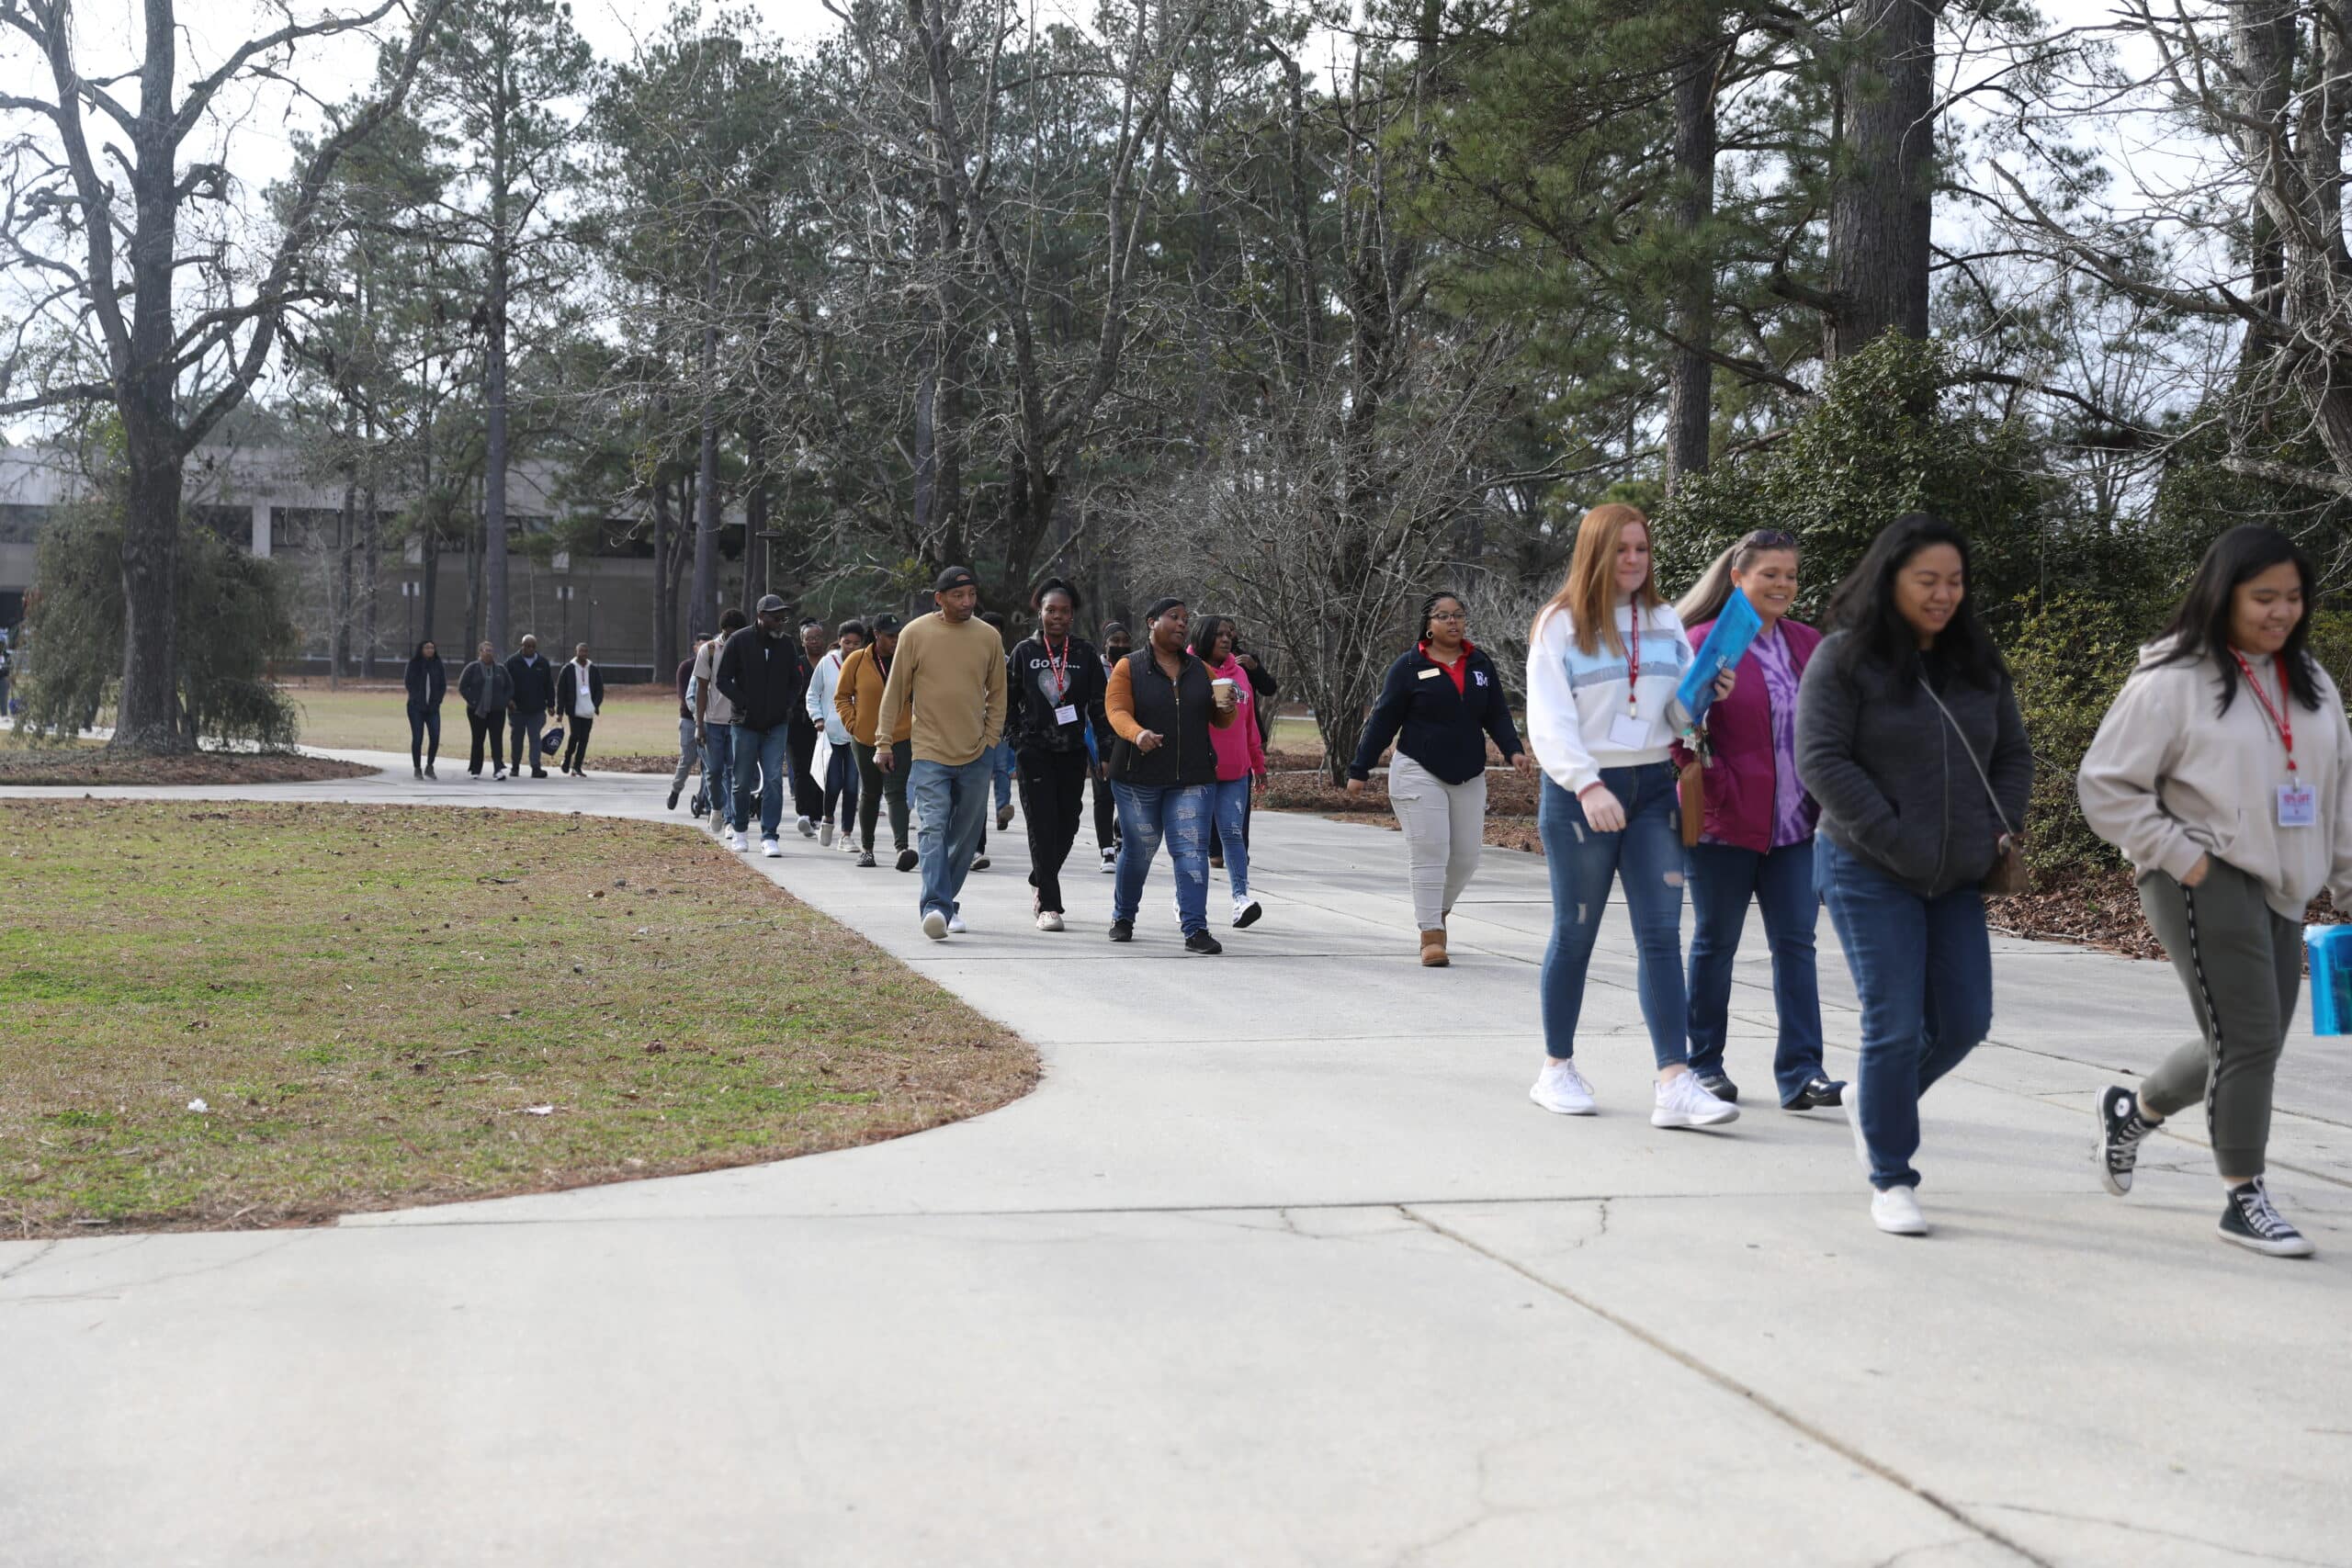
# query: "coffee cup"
{"type": "Point", "coordinates": [1222, 688]}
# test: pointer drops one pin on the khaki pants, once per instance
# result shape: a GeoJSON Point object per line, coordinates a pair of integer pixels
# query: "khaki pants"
{"type": "Point", "coordinates": [1445, 831]}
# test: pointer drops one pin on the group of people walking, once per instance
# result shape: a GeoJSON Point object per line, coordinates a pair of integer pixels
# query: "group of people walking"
{"type": "Point", "coordinates": [518, 706]}
{"type": "Point", "coordinates": [1883, 771]}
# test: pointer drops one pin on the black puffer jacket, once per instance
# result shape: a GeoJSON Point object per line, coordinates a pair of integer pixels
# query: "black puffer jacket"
{"type": "Point", "coordinates": [1030, 701]}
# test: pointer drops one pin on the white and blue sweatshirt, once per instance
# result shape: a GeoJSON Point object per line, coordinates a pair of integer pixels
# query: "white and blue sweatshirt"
{"type": "Point", "coordinates": [1574, 698]}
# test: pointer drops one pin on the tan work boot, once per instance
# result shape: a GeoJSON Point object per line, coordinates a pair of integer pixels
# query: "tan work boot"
{"type": "Point", "coordinates": [1433, 949]}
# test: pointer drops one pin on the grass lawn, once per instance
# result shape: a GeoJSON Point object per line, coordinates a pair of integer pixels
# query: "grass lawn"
{"type": "Point", "coordinates": [387, 1006]}
{"type": "Point", "coordinates": [374, 717]}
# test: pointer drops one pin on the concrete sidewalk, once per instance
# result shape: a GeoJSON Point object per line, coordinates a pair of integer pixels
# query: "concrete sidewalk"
{"type": "Point", "coordinates": [1278, 1265]}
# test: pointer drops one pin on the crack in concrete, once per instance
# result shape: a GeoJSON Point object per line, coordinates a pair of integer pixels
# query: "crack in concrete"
{"type": "Point", "coordinates": [112, 1290]}
{"type": "Point", "coordinates": [41, 1252]}
{"type": "Point", "coordinates": [1733, 1386]}
{"type": "Point", "coordinates": [2231, 1547]}
{"type": "Point", "coordinates": [1927, 1546]}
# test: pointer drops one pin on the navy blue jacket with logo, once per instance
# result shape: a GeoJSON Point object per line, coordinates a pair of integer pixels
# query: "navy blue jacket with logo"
{"type": "Point", "coordinates": [1444, 730]}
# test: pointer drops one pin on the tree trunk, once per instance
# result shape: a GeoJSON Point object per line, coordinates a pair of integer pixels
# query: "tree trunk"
{"type": "Point", "coordinates": [704, 612]}
{"type": "Point", "coordinates": [371, 551]}
{"type": "Point", "coordinates": [1691, 375]}
{"type": "Point", "coordinates": [663, 600]}
{"type": "Point", "coordinates": [2263, 39]}
{"type": "Point", "coordinates": [346, 534]}
{"type": "Point", "coordinates": [1882, 204]}
{"type": "Point", "coordinates": [494, 377]}
{"type": "Point", "coordinates": [429, 591]}
{"type": "Point", "coordinates": [147, 712]}
{"type": "Point", "coordinates": [755, 517]}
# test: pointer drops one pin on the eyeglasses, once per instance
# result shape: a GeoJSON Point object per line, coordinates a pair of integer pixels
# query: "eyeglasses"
{"type": "Point", "coordinates": [1449, 615]}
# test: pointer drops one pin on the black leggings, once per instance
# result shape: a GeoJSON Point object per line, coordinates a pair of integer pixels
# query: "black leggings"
{"type": "Point", "coordinates": [1052, 794]}
{"type": "Point", "coordinates": [422, 721]}
{"type": "Point", "coordinates": [1106, 815]}
{"type": "Point", "coordinates": [494, 725]}
{"type": "Point", "coordinates": [575, 747]}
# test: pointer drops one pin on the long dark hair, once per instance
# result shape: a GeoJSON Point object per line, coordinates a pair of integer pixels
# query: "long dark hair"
{"type": "Point", "coordinates": [1206, 630]}
{"type": "Point", "coordinates": [2199, 628]}
{"type": "Point", "coordinates": [418, 657]}
{"type": "Point", "coordinates": [1864, 607]}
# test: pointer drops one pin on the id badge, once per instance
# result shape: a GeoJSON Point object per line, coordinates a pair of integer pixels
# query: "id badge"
{"type": "Point", "coordinates": [1628, 733]}
{"type": "Point", "coordinates": [1066, 713]}
{"type": "Point", "coordinates": [2298, 806]}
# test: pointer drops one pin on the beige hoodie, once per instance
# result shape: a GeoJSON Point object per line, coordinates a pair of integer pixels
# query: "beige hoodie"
{"type": "Point", "coordinates": [2169, 779]}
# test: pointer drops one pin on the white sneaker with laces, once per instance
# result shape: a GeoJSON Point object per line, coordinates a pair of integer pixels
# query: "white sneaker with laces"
{"type": "Point", "coordinates": [1896, 1211]}
{"type": "Point", "coordinates": [825, 833]}
{"type": "Point", "coordinates": [807, 828]}
{"type": "Point", "coordinates": [1561, 1090]}
{"type": "Point", "coordinates": [1246, 912]}
{"type": "Point", "coordinates": [956, 926]}
{"type": "Point", "coordinates": [736, 842]}
{"type": "Point", "coordinates": [1110, 861]}
{"type": "Point", "coordinates": [1683, 1103]}
{"type": "Point", "coordinates": [934, 924]}
{"type": "Point", "coordinates": [1048, 921]}
{"type": "Point", "coordinates": [771, 849]}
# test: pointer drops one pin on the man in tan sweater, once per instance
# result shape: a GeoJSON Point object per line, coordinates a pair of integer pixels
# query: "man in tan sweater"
{"type": "Point", "coordinates": [950, 672]}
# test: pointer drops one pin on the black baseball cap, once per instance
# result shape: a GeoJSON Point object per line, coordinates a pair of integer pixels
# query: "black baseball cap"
{"type": "Point", "coordinates": [884, 621]}
{"type": "Point", "coordinates": [955, 577]}
{"type": "Point", "coordinates": [770, 605]}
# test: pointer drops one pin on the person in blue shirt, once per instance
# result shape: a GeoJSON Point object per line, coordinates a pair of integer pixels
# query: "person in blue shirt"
{"type": "Point", "coordinates": [1440, 704]}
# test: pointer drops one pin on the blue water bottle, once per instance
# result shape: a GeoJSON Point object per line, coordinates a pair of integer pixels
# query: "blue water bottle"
{"type": "Point", "coordinates": [2330, 949]}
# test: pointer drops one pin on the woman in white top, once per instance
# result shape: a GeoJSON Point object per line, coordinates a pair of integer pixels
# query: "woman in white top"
{"type": "Point", "coordinates": [1603, 661]}
{"type": "Point", "coordinates": [580, 698]}
{"type": "Point", "coordinates": [2223, 772]}
{"type": "Point", "coordinates": [841, 768]}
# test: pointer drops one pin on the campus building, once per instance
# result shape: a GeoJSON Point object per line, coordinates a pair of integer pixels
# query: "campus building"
{"type": "Point", "coordinates": [265, 501]}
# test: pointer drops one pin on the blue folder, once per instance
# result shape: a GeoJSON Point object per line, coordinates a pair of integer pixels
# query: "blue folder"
{"type": "Point", "coordinates": [1727, 641]}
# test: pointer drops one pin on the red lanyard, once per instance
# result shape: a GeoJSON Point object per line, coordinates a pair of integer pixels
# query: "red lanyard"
{"type": "Point", "coordinates": [1633, 660]}
{"type": "Point", "coordinates": [2281, 717]}
{"type": "Point", "coordinates": [1058, 667]}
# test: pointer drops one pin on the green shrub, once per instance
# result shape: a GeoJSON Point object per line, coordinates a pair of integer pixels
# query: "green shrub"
{"type": "Point", "coordinates": [2069, 656]}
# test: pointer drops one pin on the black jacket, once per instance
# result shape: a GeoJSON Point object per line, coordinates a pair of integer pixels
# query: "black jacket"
{"type": "Point", "coordinates": [1178, 710]}
{"type": "Point", "coordinates": [762, 675]}
{"type": "Point", "coordinates": [486, 688]}
{"type": "Point", "coordinates": [567, 687]}
{"type": "Point", "coordinates": [803, 726]}
{"type": "Point", "coordinates": [1444, 730]}
{"type": "Point", "coordinates": [1029, 701]}
{"type": "Point", "coordinates": [428, 682]}
{"type": "Point", "coordinates": [1896, 788]}
{"type": "Point", "coordinates": [534, 684]}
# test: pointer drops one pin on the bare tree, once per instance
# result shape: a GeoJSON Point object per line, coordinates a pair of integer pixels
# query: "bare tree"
{"type": "Point", "coordinates": [106, 259]}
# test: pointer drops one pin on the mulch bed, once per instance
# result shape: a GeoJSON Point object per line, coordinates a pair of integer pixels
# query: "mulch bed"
{"type": "Point", "coordinates": [97, 767]}
{"type": "Point", "coordinates": [633, 762]}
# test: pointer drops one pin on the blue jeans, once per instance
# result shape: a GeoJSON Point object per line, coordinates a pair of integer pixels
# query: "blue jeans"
{"type": "Point", "coordinates": [1179, 813]}
{"type": "Point", "coordinates": [1004, 759]}
{"type": "Point", "coordinates": [1924, 967]}
{"type": "Point", "coordinates": [1723, 877]}
{"type": "Point", "coordinates": [951, 806]}
{"type": "Point", "coordinates": [1229, 810]}
{"type": "Point", "coordinates": [759, 766]}
{"type": "Point", "coordinates": [718, 770]}
{"type": "Point", "coordinates": [1647, 857]}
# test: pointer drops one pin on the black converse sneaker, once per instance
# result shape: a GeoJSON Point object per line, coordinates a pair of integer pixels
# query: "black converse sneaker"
{"type": "Point", "coordinates": [2121, 1128]}
{"type": "Point", "coordinates": [2251, 1222]}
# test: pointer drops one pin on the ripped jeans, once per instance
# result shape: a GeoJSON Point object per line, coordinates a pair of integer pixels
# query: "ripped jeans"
{"type": "Point", "coordinates": [1647, 857]}
{"type": "Point", "coordinates": [1180, 813]}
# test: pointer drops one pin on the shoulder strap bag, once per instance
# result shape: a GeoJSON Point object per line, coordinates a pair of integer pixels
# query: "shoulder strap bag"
{"type": "Point", "coordinates": [2009, 874]}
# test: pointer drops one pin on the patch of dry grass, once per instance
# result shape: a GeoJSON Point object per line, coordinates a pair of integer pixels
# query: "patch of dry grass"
{"type": "Point", "coordinates": [388, 1006]}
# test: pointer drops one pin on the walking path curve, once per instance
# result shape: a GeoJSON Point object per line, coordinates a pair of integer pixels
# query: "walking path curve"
{"type": "Point", "coordinates": [1278, 1265]}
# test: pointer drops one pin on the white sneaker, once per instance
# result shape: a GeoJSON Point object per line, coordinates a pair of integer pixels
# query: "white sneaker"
{"type": "Point", "coordinates": [1560, 1088]}
{"type": "Point", "coordinates": [1683, 1103]}
{"type": "Point", "coordinates": [1048, 921]}
{"type": "Point", "coordinates": [956, 926]}
{"type": "Point", "coordinates": [771, 849]}
{"type": "Point", "coordinates": [1896, 1211]}
{"type": "Point", "coordinates": [934, 924]}
{"type": "Point", "coordinates": [825, 833]}
{"type": "Point", "coordinates": [1246, 912]}
{"type": "Point", "coordinates": [736, 842]}
{"type": "Point", "coordinates": [1110, 861]}
{"type": "Point", "coordinates": [807, 828]}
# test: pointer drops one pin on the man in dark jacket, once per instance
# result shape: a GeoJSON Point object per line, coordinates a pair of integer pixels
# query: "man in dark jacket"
{"type": "Point", "coordinates": [760, 674]}
{"type": "Point", "coordinates": [580, 698]}
{"type": "Point", "coordinates": [807, 791]}
{"type": "Point", "coordinates": [534, 680]}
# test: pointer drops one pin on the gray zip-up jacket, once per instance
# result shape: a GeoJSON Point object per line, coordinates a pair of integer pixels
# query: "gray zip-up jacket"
{"type": "Point", "coordinates": [1896, 788]}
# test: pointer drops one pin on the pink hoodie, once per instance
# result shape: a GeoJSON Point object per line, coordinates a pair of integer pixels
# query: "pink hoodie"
{"type": "Point", "coordinates": [1240, 751]}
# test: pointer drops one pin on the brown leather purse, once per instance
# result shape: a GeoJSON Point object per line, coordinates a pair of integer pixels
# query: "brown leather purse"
{"type": "Point", "coordinates": [1691, 785]}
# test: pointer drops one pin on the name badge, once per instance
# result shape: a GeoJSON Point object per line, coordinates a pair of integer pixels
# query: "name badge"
{"type": "Point", "coordinates": [1431, 674]}
{"type": "Point", "coordinates": [1629, 733]}
{"type": "Point", "coordinates": [1066, 713]}
{"type": "Point", "coordinates": [2298, 806]}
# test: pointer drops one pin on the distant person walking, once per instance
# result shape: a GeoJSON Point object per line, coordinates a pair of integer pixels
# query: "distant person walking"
{"type": "Point", "coordinates": [1117, 643]}
{"type": "Point", "coordinates": [1908, 735]}
{"type": "Point", "coordinates": [1263, 687]}
{"type": "Point", "coordinates": [1603, 660]}
{"type": "Point", "coordinates": [1240, 763]}
{"type": "Point", "coordinates": [534, 680]}
{"type": "Point", "coordinates": [1441, 703]}
{"type": "Point", "coordinates": [580, 698]}
{"type": "Point", "coordinates": [1054, 694]}
{"type": "Point", "coordinates": [857, 701]}
{"type": "Point", "coordinates": [427, 679]}
{"type": "Point", "coordinates": [2223, 772]}
{"type": "Point", "coordinates": [1756, 840]}
{"type": "Point", "coordinates": [487, 688]}
{"type": "Point", "coordinates": [7, 669]}
{"type": "Point", "coordinates": [714, 727]}
{"type": "Point", "coordinates": [689, 748]}
{"type": "Point", "coordinates": [1007, 762]}
{"type": "Point", "coordinates": [950, 669]}
{"type": "Point", "coordinates": [841, 764]}
{"type": "Point", "coordinates": [1163, 703]}
{"type": "Point", "coordinates": [760, 671]}
{"type": "Point", "coordinates": [808, 790]}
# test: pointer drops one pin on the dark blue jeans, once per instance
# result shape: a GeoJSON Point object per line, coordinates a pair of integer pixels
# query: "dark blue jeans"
{"type": "Point", "coordinates": [759, 767]}
{"type": "Point", "coordinates": [1179, 813]}
{"type": "Point", "coordinates": [1924, 967]}
{"type": "Point", "coordinates": [423, 721]}
{"type": "Point", "coordinates": [718, 770]}
{"type": "Point", "coordinates": [1722, 878]}
{"type": "Point", "coordinates": [951, 804]}
{"type": "Point", "coordinates": [1647, 856]}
